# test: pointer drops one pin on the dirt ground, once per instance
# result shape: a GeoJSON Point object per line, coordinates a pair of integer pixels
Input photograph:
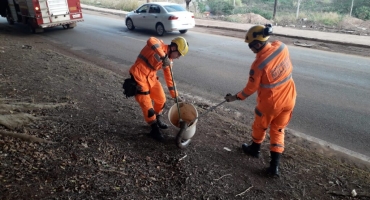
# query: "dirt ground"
{"type": "Point", "coordinates": [67, 132]}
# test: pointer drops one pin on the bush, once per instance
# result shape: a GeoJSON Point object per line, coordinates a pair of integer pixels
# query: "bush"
{"type": "Point", "coordinates": [201, 6]}
{"type": "Point", "coordinates": [220, 7]}
{"type": "Point", "coordinates": [362, 12]}
{"type": "Point", "coordinates": [263, 13]}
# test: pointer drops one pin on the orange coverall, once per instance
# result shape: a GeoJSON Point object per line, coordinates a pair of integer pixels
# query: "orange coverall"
{"type": "Point", "coordinates": [271, 76]}
{"type": "Point", "coordinates": [144, 71]}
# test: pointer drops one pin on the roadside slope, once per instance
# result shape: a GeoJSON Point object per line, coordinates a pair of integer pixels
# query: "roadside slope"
{"type": "Point", "coordinates": [100, 147]}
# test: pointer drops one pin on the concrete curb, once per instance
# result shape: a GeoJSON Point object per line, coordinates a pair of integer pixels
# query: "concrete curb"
{"type": "Point", "coordinates": [119, 13]}
{"type": "Point", "coordinates": [124, 13]}
{"type": "Point", "coordinates": [289, 36]}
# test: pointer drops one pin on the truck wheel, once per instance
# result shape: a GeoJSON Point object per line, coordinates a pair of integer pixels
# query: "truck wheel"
{"type": "Point", "coordinates": [32, 29]}
{"type": "Point", "coordinates": [9, 18]}
{"type": "Point", "coordinates": [10, 21]}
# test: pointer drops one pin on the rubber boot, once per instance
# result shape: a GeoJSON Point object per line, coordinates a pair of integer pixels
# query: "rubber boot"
{"type": "Point", "coordinates": [273, 170]}
{"type": "Point", "coordinates": [161, 124]}
{"type": "Point", "coordinates": [156, 133]}
{"type": "Point", "coordinates": [252, 150]}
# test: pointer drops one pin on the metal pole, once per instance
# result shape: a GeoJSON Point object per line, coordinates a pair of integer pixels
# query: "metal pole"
{"type": "Point", "coordinates": [177, 100]}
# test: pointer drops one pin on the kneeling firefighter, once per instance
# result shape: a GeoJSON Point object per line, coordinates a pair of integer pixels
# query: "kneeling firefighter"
{"type": "Point", "coordinates": [271, 76]}
{"type": "Point", "coordinates": [155, 56]}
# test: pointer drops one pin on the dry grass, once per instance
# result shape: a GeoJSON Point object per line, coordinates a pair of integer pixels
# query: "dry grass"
{"type": "Point", "coordinates": [330, 19]}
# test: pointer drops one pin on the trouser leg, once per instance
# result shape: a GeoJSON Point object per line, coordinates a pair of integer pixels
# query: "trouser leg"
{"type": "Point", "coordinates": [159, 99]}
{"type": "Point", "coordinates": [277, 138]}
{"type": "Point", "coordinates": [259, 127]}
{"type": "Point", "coordinates": [277, 127]}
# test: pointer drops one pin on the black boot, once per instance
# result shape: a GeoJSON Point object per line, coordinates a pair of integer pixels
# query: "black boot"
{"type": "Point", "coordinates": [156, 133]}
{"type": "Point", "coordinates": [161, 124]}
{"type": "Point", "coordinates": [252, 150]}
{"type": "Point", "coordinates": [274, 164]}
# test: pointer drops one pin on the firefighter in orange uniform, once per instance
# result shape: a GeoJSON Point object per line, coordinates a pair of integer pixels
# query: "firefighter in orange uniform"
{"type": "Point", "coordinates": [155, 56]}
{"type": "Point", "coordinates": [271, 76]}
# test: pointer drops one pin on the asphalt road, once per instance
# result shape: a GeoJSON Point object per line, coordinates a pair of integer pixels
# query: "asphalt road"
{"type": "Point", "coordinates": [333, 89]}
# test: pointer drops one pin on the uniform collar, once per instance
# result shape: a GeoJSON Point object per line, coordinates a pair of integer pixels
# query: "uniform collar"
{"type": "Point", "coordinates": [265, 49]}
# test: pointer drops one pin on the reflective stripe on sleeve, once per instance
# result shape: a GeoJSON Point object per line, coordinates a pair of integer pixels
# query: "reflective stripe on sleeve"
{"type": "Point", "coordinates": [271, 57]}
{"type": "Point", "coordinates": [157, 57]}
{"type": "Point", "coordinates": [172, 88]}
{"type": "Point", "coordinates": [146, 61]}
{"type": "Point", "coordinates": [156, 46]}
{"type": "Point", "coordinates": [276, 84]}
{"type": "Point", "coordinates": [244, 95]}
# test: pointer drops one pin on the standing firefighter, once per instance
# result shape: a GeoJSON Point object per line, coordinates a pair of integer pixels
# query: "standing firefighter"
{"type": "Point", "coordinates": [271, 76]}
{"type": "Point", "coordinates": [155, 56]}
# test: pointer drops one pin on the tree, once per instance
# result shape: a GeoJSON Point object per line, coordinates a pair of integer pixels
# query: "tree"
{"type": "Point", "coordinates": [275, 5]}
{"type": "Point", "coordinates": [350, 12]}
{"type": "Point", "coordinates": [187, 4]}
{"type": "Point", "coordinates": [299, 3]}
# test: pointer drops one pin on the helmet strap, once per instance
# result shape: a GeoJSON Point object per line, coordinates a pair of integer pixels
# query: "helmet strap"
{"type": "Point", "coordinates": [254, 44]}
{"type": "Point", "coordinates": [170, 47]}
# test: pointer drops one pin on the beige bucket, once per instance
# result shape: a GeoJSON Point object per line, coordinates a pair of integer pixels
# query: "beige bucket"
{"type": "Point", "coordinates": [188, 113]}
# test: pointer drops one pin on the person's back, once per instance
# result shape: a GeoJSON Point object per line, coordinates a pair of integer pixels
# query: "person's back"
{"type": "Point", "coordinates": [148, 90]}
{"type": "Point", "coordinates": [271, 76]}
{"type": "Point", "coordinates": [149, 61]}
{"type": "Point", "coordinates": [277, 87]}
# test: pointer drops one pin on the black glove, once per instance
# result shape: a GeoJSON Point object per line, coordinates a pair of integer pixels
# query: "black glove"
{"type": "Point", "coordinates": [230, 98]}
{"type": "Point", "coordinates": [166, 61]}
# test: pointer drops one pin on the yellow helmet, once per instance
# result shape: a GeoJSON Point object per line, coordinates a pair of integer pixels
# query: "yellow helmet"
{"type": "Point", "coordinates": [256, 33]}
{"type": "Point", "coordinates": [182, 45]}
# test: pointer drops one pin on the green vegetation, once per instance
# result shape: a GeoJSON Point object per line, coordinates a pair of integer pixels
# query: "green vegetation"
{"type": "Point", "coordinates": [126, 5]}
{"type": "Point", "coordinates": [327, 12]}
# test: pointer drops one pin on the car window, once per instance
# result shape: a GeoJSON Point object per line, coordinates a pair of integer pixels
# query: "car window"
{"type": "Point", "coordinates": [142, 9]}
{"type": "Point", "coordinates": [174, 8]}
{"type": "Point", "coordinates": [154, 9]}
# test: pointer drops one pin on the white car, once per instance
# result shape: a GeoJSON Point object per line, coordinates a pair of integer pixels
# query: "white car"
{"type": "Point", "coordinates": [161, 17]}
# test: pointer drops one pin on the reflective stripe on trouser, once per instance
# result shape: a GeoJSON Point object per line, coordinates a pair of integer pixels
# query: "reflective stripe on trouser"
{"type": "Point", "coordinates": [278, 119]}
{"type": "Point", "coordinates": [145, 102]}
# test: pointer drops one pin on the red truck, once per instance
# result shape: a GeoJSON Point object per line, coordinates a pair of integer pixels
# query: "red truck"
{"type": "Point", "coordinates": [41, 14]}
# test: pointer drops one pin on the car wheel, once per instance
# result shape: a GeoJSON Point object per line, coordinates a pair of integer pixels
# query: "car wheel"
{"type": "Point", "coordinates": [183, 31]}
{"type": "Point", "coordinates": [130, 24]}
{"type": "Point", "coordinates": [66, 26]}
{"type": "Point", "coordinates": [160, 29]}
